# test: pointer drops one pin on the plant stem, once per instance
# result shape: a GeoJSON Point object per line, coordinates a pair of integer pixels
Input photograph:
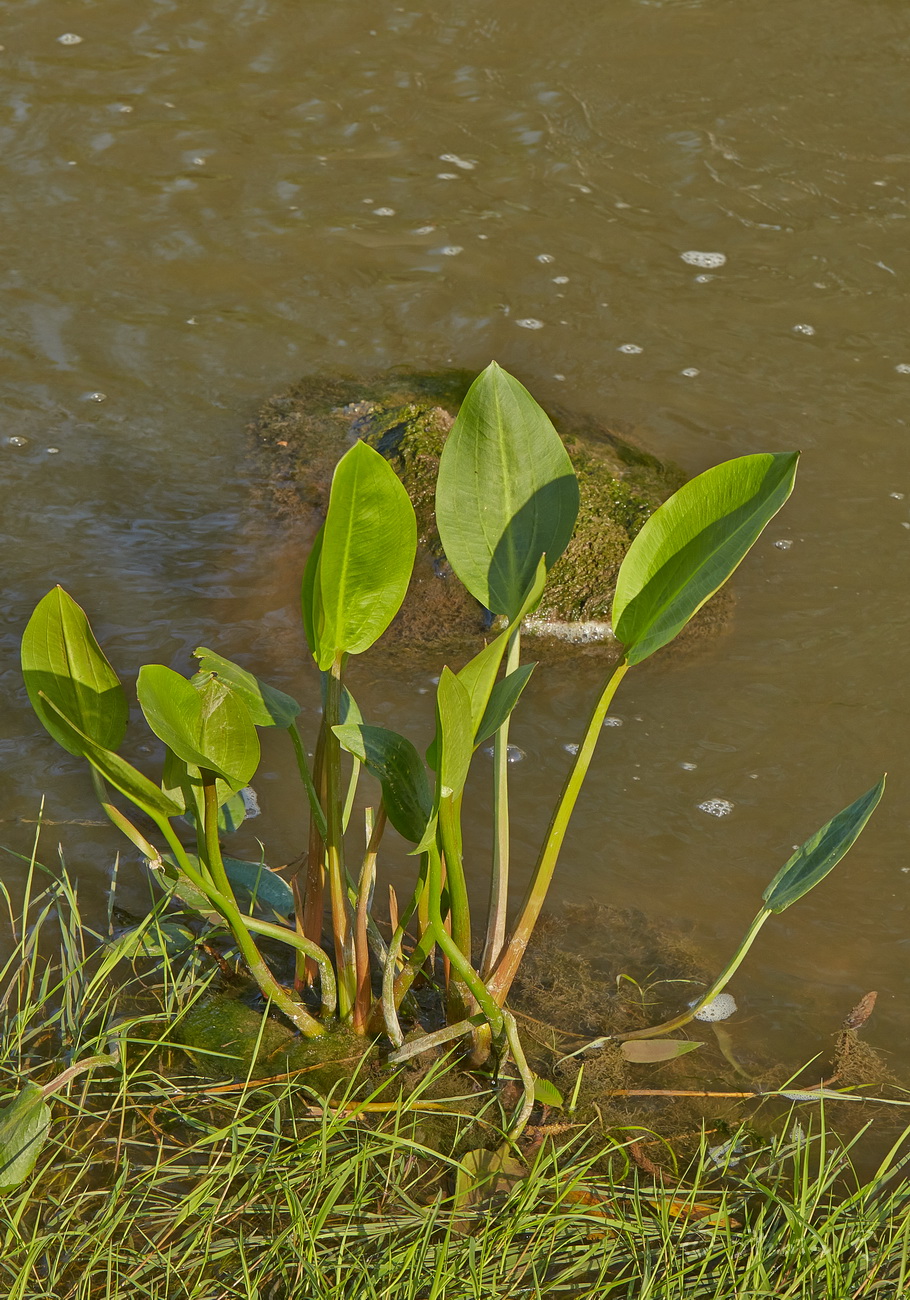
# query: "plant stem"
{"type": "Point", "coordinates": [501, 980]}
{"type": "Point", "coordinates": [226, 905]}
{"type": "Point", "coordinates": [717, 987]}
{"type": "Point", "coordinates": [460, 963]}
{"type": "Point", "coordinates": [451, 845]}
{"type": "Point", "coordinates": [361, 947]}
{"type": "Point", "coordinates": [122, 822]}
{"type": "Point", "coordinates": [308, 911]}
{"type": "Point", "coordinates": [341, 927]}
{"type": "Point", "coordinates": [499, 879]}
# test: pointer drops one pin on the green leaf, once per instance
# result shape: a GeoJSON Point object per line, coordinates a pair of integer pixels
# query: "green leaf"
{"type": "Point", "coordinates": [115, 770]}
{"type": "Point", "coordinates": [369, 540]}
{"type": "Point", "coordinates": [506, 492]}
{"type": "Point", "coordinates": [310, 605]}
{"type": "Point", "coordinates": [689, 547]}
{"type": "Point", "coordinates": [267, 706]}
{"type": "Point", "coordinates": [395, 763]}
{"type": "Point", "coordinates": [455, 733]}
{"type": "Point", "coordinates": [479, 673]}
{"type": "Point", "coordinates": [503, 698]}
{"type": "Point", "coordinates": [62, 660]}
{"type": "Point", "coordinates": [647, 1050]}
{"type": "Point", "coordinates": [257, 888]}
{"type": "Point", "coordinates": [24, 1125]}
{"type": "Point", "coordinates": [547, 1093]}
{"type": "Point", "coordinates": [205, 723]}
{"type": "Point", "coordinates": [821, 852]}
{"type": "Point", "coordinates": [153, 942]}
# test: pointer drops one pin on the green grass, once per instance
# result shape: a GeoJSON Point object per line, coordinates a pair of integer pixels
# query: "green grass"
{"type": "Point", "coordinates": [158, 1182]}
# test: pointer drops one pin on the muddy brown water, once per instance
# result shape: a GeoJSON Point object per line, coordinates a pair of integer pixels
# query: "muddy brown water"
{"type": "Point", "coordinates": [201, 203]}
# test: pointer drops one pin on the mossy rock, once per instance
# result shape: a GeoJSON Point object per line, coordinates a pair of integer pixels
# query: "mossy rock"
{"type": "Point", "coordinates": [407, 416]}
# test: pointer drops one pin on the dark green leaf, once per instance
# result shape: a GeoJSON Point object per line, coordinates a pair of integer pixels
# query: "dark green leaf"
{"type": "Point", "coordinates": [646, 1050]}
{"type": "Point", "coordinates": [356, 585]}
{"type": "Point", "coordinates": [821, 852]}
{"type": "Point", "coordinates": [395, 763]}
{"type": "Point", "coordinates": [503, 699]}
{"type": "Point", "coordinates": [689, 547]}
{"type": "Point", "coordinates": [257, 888]}
{"type": "Point", "coordinates": [267, 706]}
{"type": "Point", "coordinates": [153, 942]}
{"type": "Point", "coordinates": [506, 492]}
{"type": "Point", "coordinates": [24, 1124]}
{"type": "Point", "coordinates": [62, 660]}
{"type": "Point", "coordinates": [116, 770]}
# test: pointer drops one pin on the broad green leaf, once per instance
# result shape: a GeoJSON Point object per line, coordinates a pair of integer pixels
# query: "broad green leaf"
{"type": "Point", "coordinates": [24, 1125]}
{"type": "Point", "coordinates": [267, 706]}
{"type": "Point", "coordinates": [395, 763]}
{"type": "Point", "coordinates": [506, 492]}
{"type": "Point", "coordinates": [690, 545]}
{"type": "Point", "coordinates": [646, 1050]}
{"type": "Point", "coordinates": [821, 852]}
{"type": "Point", "coordinates": [115, 770]}
{"type": "Point", "coordinates": [62, 659]}
{"type": "Point", "coordinates": [547, 1093]}
{"type": "Point", "coordinates": [205, 723]}
{"type": "Point", "coordinates": [364, 567]}
{"type": "Point", "coordinates": [455, 733]}
{"type": "Point", "coordinates": [503, 698]}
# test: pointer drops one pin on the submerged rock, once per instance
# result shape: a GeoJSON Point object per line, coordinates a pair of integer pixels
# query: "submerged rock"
{"type": "Point", "coordinates": [407, 416]}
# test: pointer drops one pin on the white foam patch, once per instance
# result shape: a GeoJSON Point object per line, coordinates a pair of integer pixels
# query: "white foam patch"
{"type": "Point", "coordinates": [694, 258]}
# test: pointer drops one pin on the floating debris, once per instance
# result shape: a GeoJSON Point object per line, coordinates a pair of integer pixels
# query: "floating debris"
{"type": "Point", "coordinates": [693, 258]}
{"type": "Point", "coordinates": [720, 1008]}
{"type": "Point", "coordinates": [716, 807]}
{"type": "Point", "coordinates": [903, 369]}
{"type": "Point", "coordinates": [571, 748]}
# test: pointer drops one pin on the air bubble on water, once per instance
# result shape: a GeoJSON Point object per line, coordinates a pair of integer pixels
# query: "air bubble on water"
{"type": "Point", "coordinates": [52, 451]}
{"type": "Point", "coordinates": [513, 753]}
{"type": "Point", "coordinates": [94, 397]}
{"type": "Point", "coordinates": [198, 162]}
{"type": "Point", "coordinates": [804, 329]}
{"type": "Point", "coordinates": [571, 748]}
{"type": "Point", "coordinates": [703, 279]}
{"type": "Point", "coordinates": [424, 230]}
{"type": "Point", "coordinates": [693, 258]}
{"type": "Point", "coordinates": [903, 369]}
{"type": "Point", "coordinates": [631, 348]}
{"type": "Point", "coordinates": [720, 1008]}
{"type": "Point", "coordinates": [367, 200]}
{"type": "Point", "coordinates": [545, 257]}
{"type": "Point", "coordinates": [716, 807]}
{"type": "Point", "coordinates": [690, 372]}
{"type": "Point", "coordinates": [191, 320]}
{"type": "Point", "coordinates": [447, 176]}
{"type": "Point", "coordinates": [897, 496]}
{"type": "Point", "coordinates": [784, 543]}
{"type": "Point", "coordinates": [385, 212]}
{"type": "Point", "coordinates": [560, 279]}
{"type": "Point", "coordinates": [560, 377]}
{"type": "Point", "coordinates": [688, 767]}
{"type": "Point", "coordinates": [451, 250]}
{"type": "Point", "coordinates": [69, 38]}
{"type": "Point", "coordinates": [529, 323]}
{"type": "Point", "coordinates": [611, 721]}
{"type": "Point", "coordinates": [16, 442]}
{"type": "Point", "coordinates": [463, 163]}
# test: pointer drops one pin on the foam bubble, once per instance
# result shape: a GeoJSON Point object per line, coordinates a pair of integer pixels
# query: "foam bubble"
{"type": "Point", "coordinates": [720, 1008]}
{"type": "Point", "coordinates": [693, 258]}
{"type": "Point", "coordinates": [716, 807]}
{"type": "Point", "coordinates": [631, 348]}
{"type": "Point", "coordinates": [530, 323]}
{"type": "Point", "coordinates": [69, 38]}
{"type": "Point", "coordinates": [808, 330]}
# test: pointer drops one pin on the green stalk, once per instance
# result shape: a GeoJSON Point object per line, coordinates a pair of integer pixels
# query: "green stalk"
{"type": "Point", "coordinates": [499, 879]}
{"type": "Point", "coordinates": [341, 925]}
{"type": "Point", "coordinates": [374, 832]}
{"type": "Point", "coordinates": [122, 822]}
{"type": "Point", "coordinates": [501, 980]}
{"type": "Point", "coordinates": [717, 987]}
{"type": "Point", "coordinates": [225, 903]}
{"type": "Point", "coordinates": [308, 909]}
{"type": "Point", "coordinates": [349, 797]}
{"type": "Point", "coordinates": [450, 843]}
{"type": "Point", "coordinates": [460, 963]}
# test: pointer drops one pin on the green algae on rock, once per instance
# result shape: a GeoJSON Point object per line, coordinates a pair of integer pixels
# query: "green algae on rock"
{"type": "Point", "coordinates": [407, 416]}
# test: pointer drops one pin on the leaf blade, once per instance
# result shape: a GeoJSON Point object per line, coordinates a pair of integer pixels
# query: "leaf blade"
{"type": "Point", "coordinates": [267, 706]}
{"type": "Point", "coordinates": [691, 544]}
{"type": "Point", "coordinates": [395, 763]}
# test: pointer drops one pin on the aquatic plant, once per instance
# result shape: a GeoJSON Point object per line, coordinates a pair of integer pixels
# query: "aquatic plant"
{"type": "Point", "coordinates": [506, 503]}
